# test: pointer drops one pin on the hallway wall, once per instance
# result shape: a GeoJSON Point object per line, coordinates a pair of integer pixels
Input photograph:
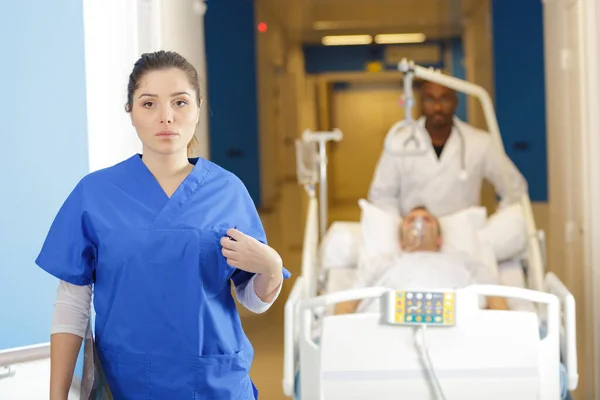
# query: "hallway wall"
{"type": "Point", "coordinates": [519, 87]}
{"type": "Point", "coordinates": [46, 152]}
{"type": "Point", "coordinates": [232, 90]}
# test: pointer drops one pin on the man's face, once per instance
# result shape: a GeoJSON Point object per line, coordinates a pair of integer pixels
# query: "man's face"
{"type": "Point", "coordinates": [438, 104]}
{"type": "Point", "coordinates": [427, 237]}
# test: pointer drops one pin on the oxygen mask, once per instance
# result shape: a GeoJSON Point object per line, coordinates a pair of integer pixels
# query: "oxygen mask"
{"type": "Point", "coordinates": [419, 236]}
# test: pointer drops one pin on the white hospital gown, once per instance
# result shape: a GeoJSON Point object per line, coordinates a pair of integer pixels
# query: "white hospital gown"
{"type": "Point", "coordinates": [420, 271]}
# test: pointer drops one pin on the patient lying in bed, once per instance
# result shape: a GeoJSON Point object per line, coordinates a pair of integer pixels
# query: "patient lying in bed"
{"type": "Point", "coordinates": [421, 266]}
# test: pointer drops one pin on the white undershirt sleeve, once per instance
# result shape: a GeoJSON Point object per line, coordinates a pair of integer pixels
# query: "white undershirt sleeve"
{"type": "Point", "coordinates": [247, 296]}
{"type": "Point", "coordinates": [73, 305]}
{"type": "Point", "coordinates": [72, 309]}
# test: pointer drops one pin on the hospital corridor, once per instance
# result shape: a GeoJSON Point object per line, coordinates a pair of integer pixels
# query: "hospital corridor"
{"type": "Point", "coordinates": [300, 199]}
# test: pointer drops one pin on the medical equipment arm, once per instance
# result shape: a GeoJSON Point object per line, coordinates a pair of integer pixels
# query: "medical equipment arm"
{"type": "Point", "coordinates": [471, 89]}
{"type": "Point", "coordinates": [494, 163]}
{"type": "Point", "coordinates": [568, 338]}
{"type": "Point", "coordinates": [321, 138]}
{"type": "Point", "coordinates": [289, 332]}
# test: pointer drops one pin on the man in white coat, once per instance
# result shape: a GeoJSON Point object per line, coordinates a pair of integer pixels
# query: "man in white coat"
{"type": "Point", "coordinates": [446, 178]}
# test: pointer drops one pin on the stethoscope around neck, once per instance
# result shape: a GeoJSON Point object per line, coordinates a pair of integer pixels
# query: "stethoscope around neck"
{"type": "Point", "coordinates": [424, 145]}
{"type": "Point", "coordinates": [409, 122]}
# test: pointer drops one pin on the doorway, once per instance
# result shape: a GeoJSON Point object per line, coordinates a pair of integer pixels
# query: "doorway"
{"type": "Point", "coordinates": [364, 107]}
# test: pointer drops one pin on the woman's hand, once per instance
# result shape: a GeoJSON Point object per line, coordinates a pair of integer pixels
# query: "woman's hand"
{"type": "Point", "coordinates": [248, 254]}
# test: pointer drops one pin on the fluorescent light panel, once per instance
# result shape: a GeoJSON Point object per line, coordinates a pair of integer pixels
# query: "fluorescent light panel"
{"type": "Point", "coordinates": [395, 38]}
{"type": "Point", "coordinates": [346, 40]}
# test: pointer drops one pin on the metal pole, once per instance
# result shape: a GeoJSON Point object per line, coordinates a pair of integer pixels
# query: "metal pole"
{"type": "Point", "coordinates": [323, 187]}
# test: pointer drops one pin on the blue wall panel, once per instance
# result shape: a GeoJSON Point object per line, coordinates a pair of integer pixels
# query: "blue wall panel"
{"type": "Point", "coordinates": [232, 89]}
{"type": "Point", "coordinates": [520, 88]}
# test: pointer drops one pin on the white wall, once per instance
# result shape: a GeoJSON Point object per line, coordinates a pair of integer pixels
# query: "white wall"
{"type": "Point", "coordinates": [117, 32]}
{"type": "Point", "coordinates": [572, 91]}
{"type": "Point", "coordinates": [182, 30]}
{"type": "Point", "coordinates": [28, 375]}
{"type": "Point", "coordinates": [111, 48]}
{"type": "Point", "coordinates": [30, 382]}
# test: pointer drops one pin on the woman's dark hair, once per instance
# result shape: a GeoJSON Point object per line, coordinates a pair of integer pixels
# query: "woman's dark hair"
{"type": "Point", "coordinates": [159, 61]}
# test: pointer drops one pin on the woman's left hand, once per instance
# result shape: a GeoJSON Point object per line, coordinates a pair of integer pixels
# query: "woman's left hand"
{"type": "Point", "coordinates": [248, 254]}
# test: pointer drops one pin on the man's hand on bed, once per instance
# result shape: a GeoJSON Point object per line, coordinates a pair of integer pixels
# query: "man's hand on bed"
{"type": "Point", "coordinates": [497, 303]}
{"type": "Point", "coordinates": [347, 307]}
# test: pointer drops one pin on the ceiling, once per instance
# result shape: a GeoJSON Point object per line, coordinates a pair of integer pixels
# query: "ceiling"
{"type": "Point", "coordinates": [308, 21]}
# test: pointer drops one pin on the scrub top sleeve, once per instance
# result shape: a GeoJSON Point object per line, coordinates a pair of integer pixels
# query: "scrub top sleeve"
{"type": "Point", "coordinates": [249, 223]}
{"type": "Point", "coordinates": [68, 252]}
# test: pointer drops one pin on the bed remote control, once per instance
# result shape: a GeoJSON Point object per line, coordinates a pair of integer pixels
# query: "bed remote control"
{"type": "Point", "coordinates": [419, 308]}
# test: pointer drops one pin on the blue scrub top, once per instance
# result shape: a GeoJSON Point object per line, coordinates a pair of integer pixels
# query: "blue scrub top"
{"type": "Point", "coordinates": [166, 322]}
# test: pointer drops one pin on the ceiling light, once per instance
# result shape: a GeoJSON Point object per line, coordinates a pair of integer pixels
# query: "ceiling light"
{"type": "Point", "coordinates": [394, 38]}
{"type": "Point", "coordinates": [346, 40]}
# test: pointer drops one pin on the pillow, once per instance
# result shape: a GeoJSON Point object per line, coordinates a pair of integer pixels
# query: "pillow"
{"type": "Point", "coordinates": [506, 231]}
{"type": "Point", "coordinates": [380, 231]}
{"type": "Point", "coordinates": [459, 231]}
{"type": "Point", "coordinates": [339, 247]}
{"type": "Point", "coordinates": [380, 235]}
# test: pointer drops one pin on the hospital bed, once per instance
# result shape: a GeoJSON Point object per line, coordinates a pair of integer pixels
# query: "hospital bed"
{"type": "Point", "coordinates": [393, 354]}
{"type": "Point", "coordinates": [331, 254]}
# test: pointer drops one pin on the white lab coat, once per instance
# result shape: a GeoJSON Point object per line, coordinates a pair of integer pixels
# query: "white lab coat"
{"type": "Point", "coordinates": [402, 182]}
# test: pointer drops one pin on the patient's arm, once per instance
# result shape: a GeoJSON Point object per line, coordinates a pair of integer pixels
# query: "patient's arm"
{"type": "Point", "coordinates": [497, 303]}
{"type": "Point", "coordinates": [347, 307]}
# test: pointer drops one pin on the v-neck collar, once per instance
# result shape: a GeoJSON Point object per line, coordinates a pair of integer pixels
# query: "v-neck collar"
{"type": "Point", "coordinates": [153, 194]}
{"type": "Point", "coordinates": [448, 147]}
{"type": "Point", "coordinates": [148, 174]}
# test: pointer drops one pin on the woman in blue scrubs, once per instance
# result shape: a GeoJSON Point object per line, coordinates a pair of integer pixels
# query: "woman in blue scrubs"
{"type": "Point", "coordinates": [158, 238]}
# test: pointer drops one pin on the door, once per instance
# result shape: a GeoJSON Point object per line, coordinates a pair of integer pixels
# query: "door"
{"type": "Point", "coordinates": [364, 112]}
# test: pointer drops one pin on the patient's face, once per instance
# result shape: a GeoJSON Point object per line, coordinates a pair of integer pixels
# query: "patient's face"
{"type": "Point", "coordinates": [428, 238]}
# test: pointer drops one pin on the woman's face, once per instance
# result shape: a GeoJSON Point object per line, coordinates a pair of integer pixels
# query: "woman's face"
{"type": "Point", "coordinates": [164, 111]}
